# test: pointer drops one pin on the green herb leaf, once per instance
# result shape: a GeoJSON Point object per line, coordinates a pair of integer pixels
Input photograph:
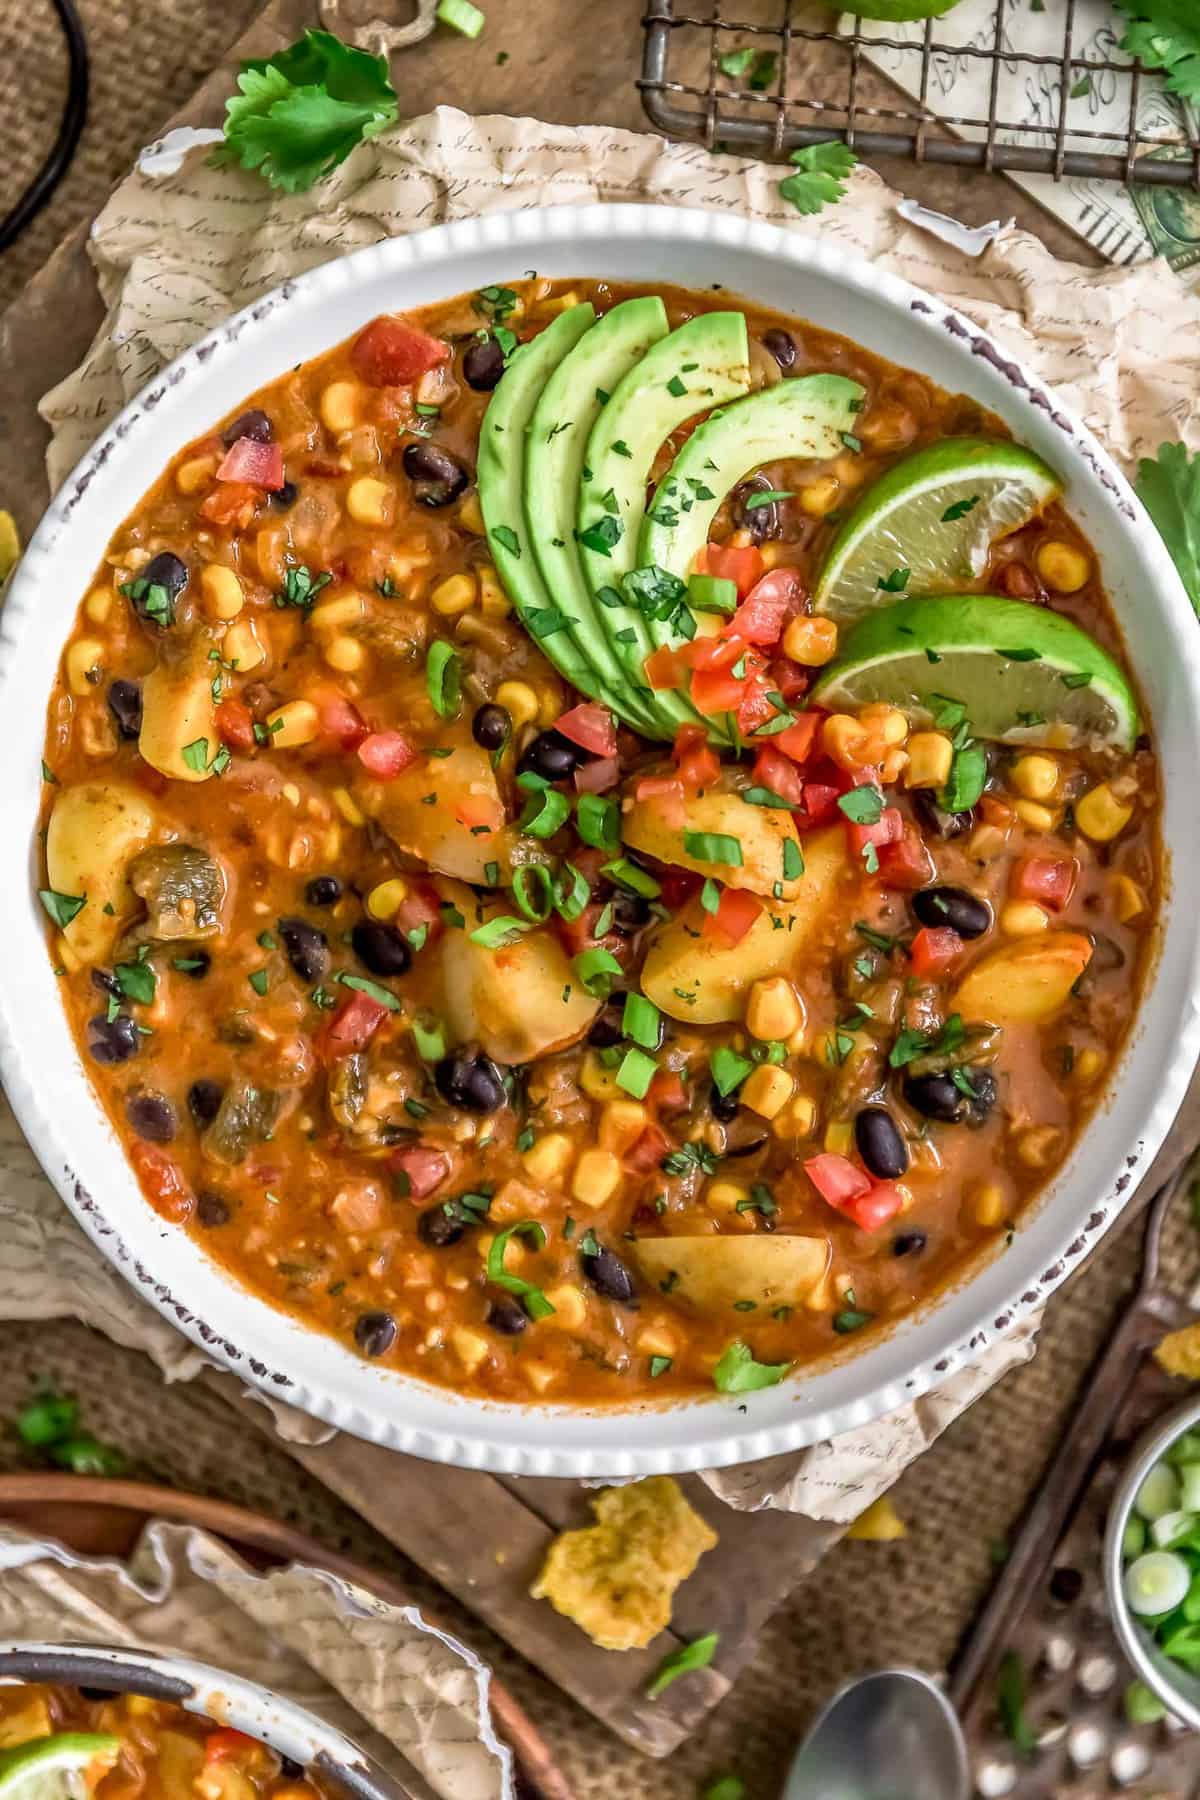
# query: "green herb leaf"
{"type": "Point", "coordinates": [959, 509]}
{"type": "Point", "coordinates": [1169, 488]}
{"type": "Point", "coordinates": [531, 1297]}
{"type": "Point", "coordinates": [659, 1366]}
{"type": "Point", "coordinates": [443, 678]}
{"type": "Point", "coordinates": [301, 587]}
{"type": "Point", "coordinates": [850, 1319]}
{"type": "Point", "coordinates": [506, 537]}
{"type": "Point", "coordinates": [62, 908]}
{"type": "Point", "coordinates": [766, 497]}
{"type": "Point", "coordinates": [655, 592]}
{"type": "Point", "coordinates": [362, 984]}
{"type": "Point", "coordinates": [1010, 1704]}
{"type": "Point", "coordinates": [822, 171]}
{"type": "Point", "coordinates": [968, 777]}
{"type": "Point", "coordinates": [728, 1069]}
{"type": "Point", "coordinates": [259, 980]}
{"type": "Point", "coordinates": [1165, 34]}
{"type": "Point", "coordinates": [738, 1373]}
{"type": "Point", "coordinates": [714, 847]}
{"type": "Point", "coordinates": [793, 860]}
{"type": "Point", "coordinates": [498, 932]}
{"type": "Point", "coordinates": [602, 535]}
{"type": "Point", "coordinates": [764, 796]}
{"type": "Point", "coordinates": [862, 805]}
{"type": "Point", "coordinates": [696, 1655]}
{"type": "Point", "coordinates": [136, 981]}
{"type": "Point", "coordinates": [896, 582]}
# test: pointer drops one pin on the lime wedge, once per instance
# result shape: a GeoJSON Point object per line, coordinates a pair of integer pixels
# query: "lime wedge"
{"type": "Point", "coordinates": [1025, 675]}
{"type": "Point", "coordinates": [52, 1768]}
{"type": "Point", "coordinates": [895, 12]}
{"type": "Point", "coordinates": [936, 515]}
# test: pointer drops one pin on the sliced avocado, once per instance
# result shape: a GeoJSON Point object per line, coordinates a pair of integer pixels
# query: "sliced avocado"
{"type": "Point", "coordinates": [570, 404]}
{"type": "Point", "coordinates": [501, 478]}
{"type": "Point", "coordinates": [702, 364]}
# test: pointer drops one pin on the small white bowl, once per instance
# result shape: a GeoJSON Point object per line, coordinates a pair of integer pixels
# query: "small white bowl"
{"type": "Point", "coordinates": [49, 1088]}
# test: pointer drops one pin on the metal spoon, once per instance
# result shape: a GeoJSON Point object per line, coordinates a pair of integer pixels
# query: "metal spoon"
{"type": "Point", "coordinates": [888, 1736]}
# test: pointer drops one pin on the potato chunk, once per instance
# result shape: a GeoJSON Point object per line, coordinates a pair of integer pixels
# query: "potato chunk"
{"type": "Point", "coordinates": [511, 1001]}
{"type": "Point", "coordinates": [714, 1273]}
{"type": "Point", "coordinates": [761, 832]}
{"type": "Point", "coordinates": [1025, 982]}
{"type": "Point", "coordinates": [705, 979]}
{"type": "Point", "coordinates": [178, 714]}
{"type": "Point", "coordinates": [95, 831]}
{"type": "Point", "coordinates": [460, 830]}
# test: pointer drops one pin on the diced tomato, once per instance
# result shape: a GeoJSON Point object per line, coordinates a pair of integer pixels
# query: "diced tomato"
{"type": "Point", "coordinates": [1047, 879]}
{"type": "Point", "coordinates": [389, 353]}
{"type": "Point", "coordinates": [775, 598]}
{"type": "Point", "coordinates": [667, 1091]}
{"type": "Point", "coordinates": [1017, 580]}
{"type": "Point", "coordinates": [731, 563]}
{"type": "Point", "coordinates": [836, 1178]}
{"type": "Point", "coordinates": [887, 829]}
{"type": "Point", "coordinates": [792, 679]}
{"type": "Point", "coordinates": [234, 503]}
{"type": "Point", "coordinates": [797, 741]}
{"type": "Point", "coordinates": [697, 761]}
{"type": "Point", "coordinates": [995, 811]}
{"type": "Point", "coordinates": [874, 1208]}
{"type": "Point", "coordinates": [736, 912]}
{"type": "Point", "coordinates": [720, 651]}
{"type": "Point", "coordinates": [258, 465]}
{"type": "Point", "coordinates": [906, 864]}
{"type": "Point", "coordinates": [580, 934]}
{"type": "Point", "coordinates": [419, 907]}
{"type": "Point", "coordinates": [771, 770]}
{"type": "Point", "coordinates": [678, 886]}
{"type": "Point", "coordinates": [220, 1745]}
{"type": "Point", "coordinates": [162, 1181]}
{"type": "Point", "coordinates": [665, 792]}
{"type": "Point", "coordinates": [756, 707]}
{"type": "Point", "coordinates": [663, 668]}
{"type": "Point", "coordinates": [354, 1024]}
{"type": "Point", "coordinates": [235, 724]}
{"type": "Point", "coordinates": [716, 691]}
{"type": "Point", "coordinates": [341, 719]}
{"type": "Point", "coordinates": [385, 754]}
{"type": "Point", "coordinates": [648, 1149]}
{"type": "Point", "coordinates": [819, 806]}
{"type": "Point", "coordinates": [423, 1166]}
{"type": "Point", "coordinates": [593, 728]}
{"type": "Point", "coordinates": [933, 949]}
{"type": "Point", "coordinates": [597, 776]}
{"type": "Point", "coordinates": [481, 813]}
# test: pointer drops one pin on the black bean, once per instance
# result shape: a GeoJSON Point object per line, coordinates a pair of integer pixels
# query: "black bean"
{"type": "Point", "coordinates": [441, 1226]}
{"type": "Point", "coordinates": [151, 1115]}
{"type": "Point", "coordinates": [941, 823]}
{"type": "Point", "coordinates": [1066, 1585]}
{"type": "Point", "coordinates": [608, 1275]}
{"type": "Point", "coordinates": [470, 1080]}
{"type": "Point", "coordinates": [630, 912]}
{"type": "Point", "coordinates": [307, 949]}
{"type": "Point", "coordinates": [382, 947]}
{"type": "Point", "coordinates": [284, 497]}
{"type": "Point", "coordinates": [953, 907]}
{"type": "Point", "coordinates": [722, 1106]}
{"type": "Point", "coordinates": [482, 363]}
{"type": "Point", "coordinates": [290, 1769]}
{"type": "Point", "coordinates": [212, 1209]}
{"type": "Point", "coordinates": [782, 346]}
{"type": "Point", "coordinates": [986, 1093]}
{"type": "Point", "coordinates": [199, 963]}
{"type": "Point", "coordinates": [909, 1243]}
{"type": "Point", "coordinates": [106, 983]}
{"type": "Point", "coordinates": [125, 705]}
{"type": "Point", "coordinates": [606, 1028]}
{"type": "Point", "coordinates": [254, 424]}
{"type": "Point", "coordinates": [437, 477]}
{"type": "Point", "coordinates": [113, 1040]}
{"type": "Point", "coordinates": [550, 755]}
{"type": "Point", "coordinates": [491, 727]}
{"type": "Point", "coordinates": [762, 522]}
{"type": "Point", "coordinates": [374, 1332]}
{"type": "Point", "coordinates": [879, 1143]}
{"type": "Point", "coordinates": [204, 1100]}
{"type": "Point", "coordinates": [935, 1097]}
{"type": "Point", "coordinates": [507, 1315]}
{"type": "Point", "coordinates": [95, 1693]}
{"type": "Point", "coordinates": [166, 570]}
{"type": "Point", "coordinates": [323, 890]}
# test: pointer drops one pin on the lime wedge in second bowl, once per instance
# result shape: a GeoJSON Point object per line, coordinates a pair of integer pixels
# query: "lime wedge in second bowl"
{"type": "Point", "coordinates": [1024, 675]}
{"type": "Point", "coordinates": [927, 526]}
{"type": "Point", "coordinates": [52, 1768]}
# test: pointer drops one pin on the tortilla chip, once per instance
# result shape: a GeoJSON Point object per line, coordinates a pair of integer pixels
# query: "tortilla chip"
{"type": "Point", "coordinates": [1179, 1353]}
{"type": "Point", "coordinates": [10, 545]}
{"type": "Point", "coordinates": [880, 1524]}
{"type": "Point", "coordinates": [616, 1579]}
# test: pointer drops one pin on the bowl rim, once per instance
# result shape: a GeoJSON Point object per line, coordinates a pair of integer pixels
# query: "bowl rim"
{"type": "Point", "coordinates": [562, 1440]}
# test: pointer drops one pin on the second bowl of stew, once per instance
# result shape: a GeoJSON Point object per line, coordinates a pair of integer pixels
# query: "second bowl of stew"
{"type": "Point", "coordinates": [602, 842]}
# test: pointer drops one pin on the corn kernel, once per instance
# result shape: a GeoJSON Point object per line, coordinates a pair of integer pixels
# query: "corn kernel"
{"type": "Point", "coordinates": [370, 501]}
{"type": "Point", "coordinates": [802, 1115]}
{"type": "Point", "coordinates": [723, 1196]}
{"type": "Point", "coordinates": [346, 804]}
{"type": "Point", "coordinates": [597, 1178]}
{"type": "Point", "coordinates": [99, 605]}
{"type": "Point", "coordinates": [656, 1340]}
{"type": "Point", "coordinates": [341, 405]}
{"type": "Point", "coordinates": [570, 1307]}
{"type": "Point", "coordinates": [519, 702]}
{"type": "Point", "coordinates": [774, 555]}
{"type": "Point", "coordinates": [1035, 815]}
{"type": "Point", "coordinates": [548, 1158]}
{"type": "Point", "coordinates": [987, 842]}
{"type": "Point", "coordinates": [839, 1137]}
{"type": "Point", "coordinates": [773, 1011]}
{"type": "Point", "coordinates": [470, 515]}
{"type": "Point", "coordinates": [341, 614]}
{"type": "Point", "coordinates": [84, 657]}
{"type": "Point", "coordinates": [820, 496]}
{"type": "Point", "coordinates": [1087, 1066]}
{"type": "Point", "coordinates": [844, 739]}
{"type": "Point", "coordinates": [494, 603]}
{"type": "Point", "coordinates": [541, 1376]}
{"type": "Point", "coordinates": [1039, 1146]}
{"type": "Point", "coordinates": [621, 1125]}
{"type": "Point", "coordinates": [1062, 567]}
{"type": "Point", "coordinates": [767, 1090]}
{"type": "Point", "coordinates": [221, 591]}
{"type": "Point", "coordinates": [345, 654]}
{"type": "Point", "coordinates": [294, 723]}
{"type": "Point", "coordinates": [1128, 900]}
{"type": "Point", "coordinates": [453, 596]}
{"type": "Point", "coordinates": [1100, 815]}
{"type": "Point", "coordinates": [930, 754]}
{"type": "Point", "coordinates": [1023, 918]}
{"type": "Point", "coordinates": [811, 640]}
{"type": "Point", "coordinates": [1035, 777]}
{"type": "Point", "coordinates": [384, 899]}
{"type": "Point", "coordinates": [471, 1347]}
{"type": "Point", "coordinates": [195, 473]}
{"type": "Point", "coordinates": [990, 1207]}
{"type": "Point", "coordinates": [241, 647]}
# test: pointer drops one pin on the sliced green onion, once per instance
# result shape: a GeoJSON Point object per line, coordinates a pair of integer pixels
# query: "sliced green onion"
{"type": "Point", "coordinates": [1167, 1531]}
{"type": "Point", "coordinates": [1142, 1707]}
{"type": "Point", "coordinates": [545, 814]}
{"type": "Point", "coordinates": [530, 1296]}
{"type": "Point", "coordinates": [443, 678]}
{"type": "Point", "coordinates": [793, 860]}
{"type": "Point", "coordinates": [1158, 1494]}
{"type": "Point", "coordinates": [1156, 1583]}
{"type": "Point", "coordinates": [461, 16]}
{"type": "Point", "coordinates": [641, 1021]}
{"type": "Point", "coordinates": [597, 969]}
{"type": "Point", "coordinates": [696, 1655]}
{"type": "Point", "coordinates": [629, 875]}
{"type": "Point", "coordinates": [710, 895]}
{"type": "Point", "coordinates": [571, 892]}
{"type": "Point", "coordinates": [714, 847]}
{"type": "Point", "coordinates": [429, 1035]}
{"type": "Point", "coordinates": [533, 891]}
{"type": "Point", "coordinates": [636, 1072]}
{"type": "Point", "coordinates": [502, 930]}
{"type": "Point", "coordinates": [362, 984]}
{"type": "Point", "coordinates": [598, 819]}
{"type": "Point", "coordinates": [712, 593]}
{"type": "Point", "coordinates": [1133, 1539]}
{"type": "Point", "coordinates": [1189, 1486]}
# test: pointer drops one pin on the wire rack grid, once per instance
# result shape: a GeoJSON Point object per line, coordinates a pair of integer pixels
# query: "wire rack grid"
{"type": "Point", "coordinates": [688, 93]}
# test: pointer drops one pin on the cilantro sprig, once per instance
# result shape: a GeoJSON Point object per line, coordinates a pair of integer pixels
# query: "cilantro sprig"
{"type": "Point", "coordinates": [1168, 486]}
{"type": "Point", "coordinates": [1165, 34]}
{"type": "Point", "coordinates": [822, 171]}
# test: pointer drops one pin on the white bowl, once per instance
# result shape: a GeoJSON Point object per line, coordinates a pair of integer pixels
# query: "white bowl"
{"type": "Point", "coordinates": [42, 1071]}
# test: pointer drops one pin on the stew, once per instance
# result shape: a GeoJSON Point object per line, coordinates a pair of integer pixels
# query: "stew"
{"type": "Point", "coordinates": [599, 841]}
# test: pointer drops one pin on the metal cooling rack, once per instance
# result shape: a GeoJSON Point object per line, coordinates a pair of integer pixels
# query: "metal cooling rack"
{"type": "Point", "coordinates": [685, 93]}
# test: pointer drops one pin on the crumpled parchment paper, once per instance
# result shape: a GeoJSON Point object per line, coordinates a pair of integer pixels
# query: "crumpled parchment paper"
{"type": "Point", "coordinates": [409, 1695]}
{"type": "Point", "coordinates": [181, 245]}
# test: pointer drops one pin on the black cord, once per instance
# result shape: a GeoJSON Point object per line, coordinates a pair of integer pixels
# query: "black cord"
{"type": "Point", "coordinates": [70, 127]}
